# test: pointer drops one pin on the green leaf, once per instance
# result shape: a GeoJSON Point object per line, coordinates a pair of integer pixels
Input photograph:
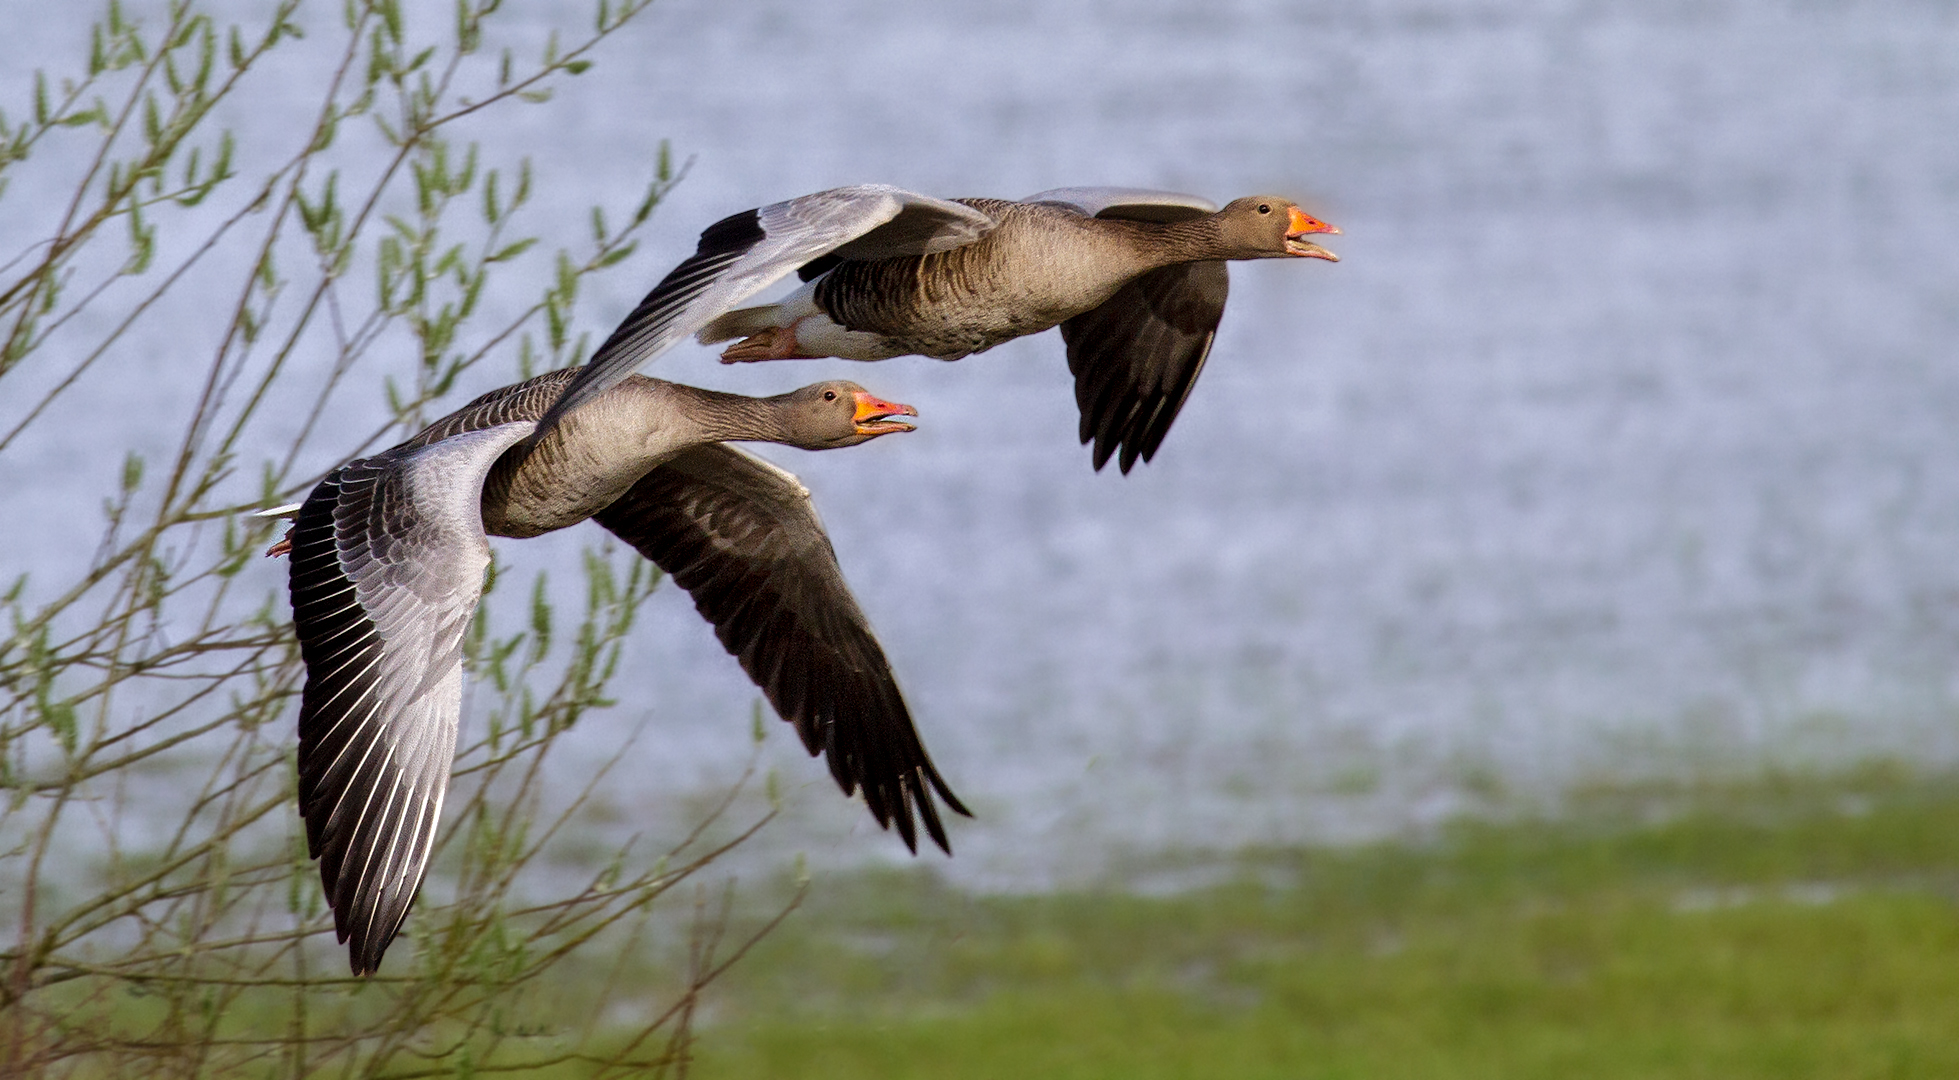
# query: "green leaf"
{"type": "Point", "coordinates": [59, 716]}
{"type": "Point", "coordinates": [221, 169]}
{"type": "Point", "coordinates": [540, 620]}
{"type": "Point", "coordinates": [329, 127]}
{"type": "Point", "coordinates": [152, 121]}
{"type": "Point", "coordinates": [511, 251]}
{"type": "Point", "coordinates": [142, 241]}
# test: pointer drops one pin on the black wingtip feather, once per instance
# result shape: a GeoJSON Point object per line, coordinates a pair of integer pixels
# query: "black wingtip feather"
{"type": "Point", "coordinates": [817, 267]}
{"type": "Point", "coordinates": [721, 244]}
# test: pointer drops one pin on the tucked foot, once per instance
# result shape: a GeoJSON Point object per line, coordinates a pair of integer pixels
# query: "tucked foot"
{"type": "Point", "coordinates": [283, 547]}
{"type": "Point", "coordinates": [769, 343]}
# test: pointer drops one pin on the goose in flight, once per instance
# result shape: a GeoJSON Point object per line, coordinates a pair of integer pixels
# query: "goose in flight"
{"type": "Point", "coordinates": [1135, 279]}
{"type": "Point", "coordinates": [388, 556]}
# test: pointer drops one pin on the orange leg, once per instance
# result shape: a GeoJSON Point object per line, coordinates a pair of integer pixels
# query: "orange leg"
{"type": "Point", "coordinates": [773, 343]}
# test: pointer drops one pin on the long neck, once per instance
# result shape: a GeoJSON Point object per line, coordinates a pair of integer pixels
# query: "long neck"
{"type": "Point", "coordinates": [603, 448]}
{"type": "Point", "coordinates": [678, 416]}
{"type": "Point", "coordinates": [1166, 243]}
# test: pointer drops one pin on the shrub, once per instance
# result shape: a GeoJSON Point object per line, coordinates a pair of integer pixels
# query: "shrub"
{"type": "Point", "coordinates": [160, 914]}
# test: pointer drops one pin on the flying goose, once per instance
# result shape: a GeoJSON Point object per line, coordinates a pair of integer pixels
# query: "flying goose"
{"type": "Point", "coordinates": [1135, 279]}
{"type": "Point", "coordinates": [388, 555]}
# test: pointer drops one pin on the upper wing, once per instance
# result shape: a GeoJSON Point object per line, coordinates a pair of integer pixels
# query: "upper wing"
{"type": "Point", "coordinates": [740, 255]}
{"type": "Point", "coordinates": [388, 557]}
{"type": "Point", "coordinates": [1136, 357]}
{"type": "Point", "coordinates": [741, 536]}
{"type": "Point", "coordinates": [1136, 204]}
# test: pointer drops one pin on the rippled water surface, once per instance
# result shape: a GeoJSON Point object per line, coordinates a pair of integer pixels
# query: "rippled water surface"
{"type": "Point", "coordinates": [1622, 436]}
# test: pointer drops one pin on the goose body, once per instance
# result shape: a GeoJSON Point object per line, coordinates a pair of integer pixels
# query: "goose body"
{"type": "Point", "coordinates": [1042, 264]}
{"type": "Point", "coordinates": [388, 556]}
{"type": "Point", "coordinates": [1134, 278]}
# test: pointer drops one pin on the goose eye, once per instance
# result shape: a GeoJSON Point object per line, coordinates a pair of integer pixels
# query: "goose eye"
{"type": "Point", "coordinates": [1264, 208]}
{"type": "Point", "coordinates": [829, 395]}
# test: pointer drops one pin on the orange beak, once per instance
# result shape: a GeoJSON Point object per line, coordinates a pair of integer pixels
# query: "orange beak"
{"type": "Point", "coordinates": [1303, 225]}
{"type": "Point", "coordinates": [874, 414]}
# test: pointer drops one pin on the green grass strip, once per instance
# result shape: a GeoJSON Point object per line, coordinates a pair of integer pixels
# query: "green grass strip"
{"type": "Point", "coordinates": [1781, 928]}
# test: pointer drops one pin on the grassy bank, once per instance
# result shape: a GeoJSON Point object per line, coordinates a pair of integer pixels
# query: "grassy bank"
{"type": "Point", "coordinates": [1791, 927]}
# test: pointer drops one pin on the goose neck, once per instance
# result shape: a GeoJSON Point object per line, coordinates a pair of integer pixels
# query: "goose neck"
{"type": "Point", "coordinates": [690, 415]}
{"type": "Point", "coordinates": [1172, 242]}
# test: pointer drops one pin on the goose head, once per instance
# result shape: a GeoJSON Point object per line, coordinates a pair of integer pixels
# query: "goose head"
{"type": "Point", "coordinates": [826, 415]}
{"type": "Point", "coordinates": [1269, 227]}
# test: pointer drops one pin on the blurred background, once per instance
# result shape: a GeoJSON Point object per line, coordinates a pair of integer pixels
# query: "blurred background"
{"type": "Point", "coordinates": [1613, 444]}
{"type": "Point", "coordinates": [1616, 443]}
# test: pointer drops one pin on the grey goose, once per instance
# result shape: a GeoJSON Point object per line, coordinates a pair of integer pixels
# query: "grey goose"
{"type": "Point", "coordinates": [387, 561]}
{"type": "Point", "coordinates": [1134, 278]}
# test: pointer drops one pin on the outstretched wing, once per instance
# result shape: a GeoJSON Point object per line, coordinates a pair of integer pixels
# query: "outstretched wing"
{"type": "Point", "coordinates": [1136, 357]}
{"type": "Point", "coordinates": [740, 255]}
{"type": "Point", "coordinates": [741, 537]}
{"type": "Point", "coordinates": [1134, 204]}
{"type": "Point", "coordinates": [388, 557]}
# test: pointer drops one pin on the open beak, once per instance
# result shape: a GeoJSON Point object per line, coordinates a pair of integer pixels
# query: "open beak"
{"type": "Point", "coordinates": [874, 415]}
{"type": "Point", "coordinates": [1303, 225]}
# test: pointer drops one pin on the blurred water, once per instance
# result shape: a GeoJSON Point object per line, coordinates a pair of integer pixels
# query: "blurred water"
{"type": "Point", "coordinates": [1617, 441]}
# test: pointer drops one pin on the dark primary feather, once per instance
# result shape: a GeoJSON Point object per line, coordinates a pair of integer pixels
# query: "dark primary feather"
{"type": "Point", "coordinates": [817, 267]}
{"type": "Point", "coordinates": [1137, 356]}
{"type": "Point", "coordinates": [629, 345]}
{"type": "Point", "coordinates": [739, 535]}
